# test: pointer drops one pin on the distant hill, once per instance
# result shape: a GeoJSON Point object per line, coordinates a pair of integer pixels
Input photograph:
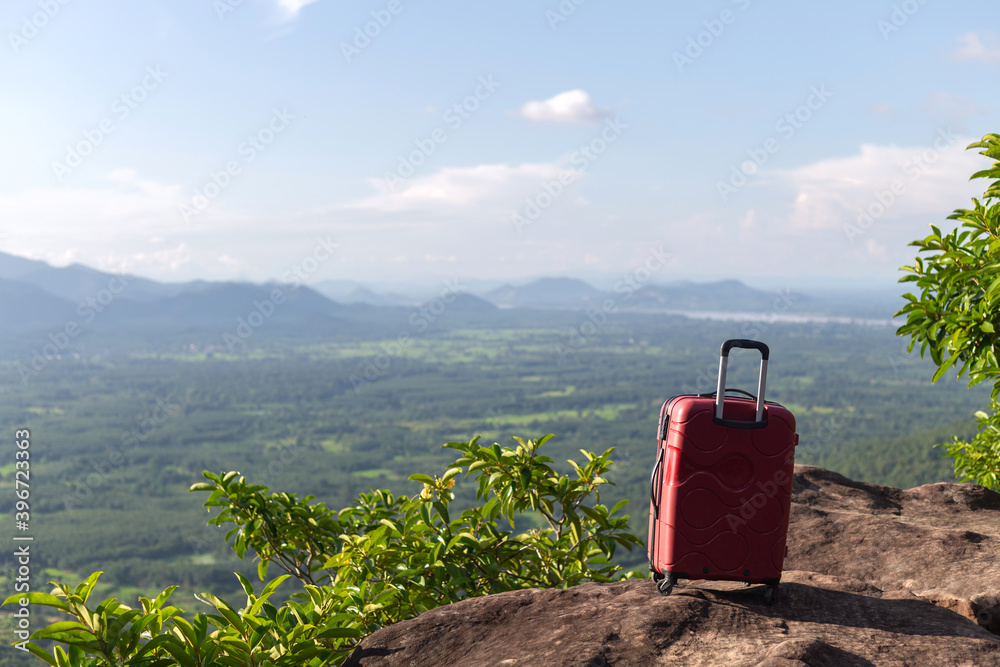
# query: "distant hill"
{"type": "Point", "coordinates": [365, 295]}
{"type": "Point", "coordinates": [467, 303]}
{"type": "Point", "coordinates": [36, 295]}
{"type": "Point", "coordinates": [208, 303]}
{"type": "Point", "coordinates": [77, 282]}
{"type": "Point", "coordinates": [461, 310]}
{"type": "Point", "coordinates": [43, 296]}
{"type": "Point", "coordinates": [723, 296]}
{"type": "Point", "coordinates": [338, 290]}
{"type": "Point", "coordinates": [546, 293]}
{"type": "Point", "coordinates": [25, 305]}
{"type": "Point", "coordinates": [13, 267]}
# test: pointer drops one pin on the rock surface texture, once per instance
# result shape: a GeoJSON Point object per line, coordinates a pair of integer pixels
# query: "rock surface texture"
{"type": "Point", "coordinates": [874, 576]}
{"type": "Point", "coordinates": [940, 542]}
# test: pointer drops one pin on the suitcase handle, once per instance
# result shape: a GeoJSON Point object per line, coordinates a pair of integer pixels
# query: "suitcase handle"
{"type": "Point", "coordinates": [712, 394]}
{"type": "Point", "coordinates": [652, 486]}
{"type": "Point", "coordinates": [746, 344]}
{"type": "Point", "coordinates": [761, 382]}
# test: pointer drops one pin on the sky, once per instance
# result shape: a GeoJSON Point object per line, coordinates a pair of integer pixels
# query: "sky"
{"type": "Point", "coordinates": [413, 142]}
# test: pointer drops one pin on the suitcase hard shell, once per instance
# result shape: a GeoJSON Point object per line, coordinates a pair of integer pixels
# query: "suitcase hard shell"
{"type": "Point", "coordinates": [720, 492]}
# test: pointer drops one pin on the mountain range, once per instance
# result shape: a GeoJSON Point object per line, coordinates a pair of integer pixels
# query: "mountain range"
{"type": "Point", "coordinates": [34, 295]}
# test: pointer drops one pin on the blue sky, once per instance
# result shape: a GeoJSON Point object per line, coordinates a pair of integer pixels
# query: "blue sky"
{"type": "Point", "coordinates": [745, 138]}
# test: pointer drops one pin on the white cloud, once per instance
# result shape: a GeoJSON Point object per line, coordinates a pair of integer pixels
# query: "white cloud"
{"type": "Point", "coordinates": [883, 109]}
{"type": "Point", "coordinates": [981, 46]}
{"type": "Point", "coordinates": [291, 8]}
{"type": "Point", "coordinates": [929, 181]}
{"type": "Point", "coordinates": [161, 262]}
{"type": "Point", "coordinates": [875, 249]}
{"type": "Point", "coordinates": [573, 106]}
{"type": "Point", "coordinates": [484, 187]}
{"type": "Point", "coordinates": [747, 225]}
{"type": "Point", "coordinates": [128, 223]}
{"type": "Point", "coordinates": [128, 201]}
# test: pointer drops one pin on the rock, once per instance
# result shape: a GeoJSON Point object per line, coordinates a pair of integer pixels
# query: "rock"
{"type": "Point", "coordinates": [938, 541]}
{"type": "Point", "coordinates": [874, 576]}
{"type": "Point", "coordinates": [817, 620]}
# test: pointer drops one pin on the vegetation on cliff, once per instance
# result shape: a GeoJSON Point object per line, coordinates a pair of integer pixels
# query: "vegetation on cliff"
{"type": "Point", "coordinates": [955, 317]}
{"type": "Point", "coordinates": [384, 559]}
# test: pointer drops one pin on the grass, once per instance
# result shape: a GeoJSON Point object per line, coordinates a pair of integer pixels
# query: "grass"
{"type": "Point", "coordinates": [334, 447]}
{"type": "Point", "coordinates": [556, 392]}
{"type": "Point", "coordinates": [609, 411]}
{"type": "Point", "coordinates": [375, 473]}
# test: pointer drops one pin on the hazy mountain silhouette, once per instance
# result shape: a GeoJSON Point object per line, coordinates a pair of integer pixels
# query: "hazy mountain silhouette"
{"type": "Point", "coordinates": [36, 295]}
{"type": "Point", "coordinates": [365, 295]}
{"type": "Point", "coordinates": [24, 305]}
{"type": "Point", "coordinates": [546, 292]}
{"type": "Point", "coordinates": [724, 295]}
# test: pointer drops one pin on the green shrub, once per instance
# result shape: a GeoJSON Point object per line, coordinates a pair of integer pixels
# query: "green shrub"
{"type": "Point", "coordinates": [955, 318]}
{"type": "Point", "coordinates": [382, 560]}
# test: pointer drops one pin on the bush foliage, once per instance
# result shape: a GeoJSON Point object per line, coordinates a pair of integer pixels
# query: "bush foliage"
{"type": "Point", "coordinates": [955, 317]}
{"type": "Point", "coordinates": [384, 559]}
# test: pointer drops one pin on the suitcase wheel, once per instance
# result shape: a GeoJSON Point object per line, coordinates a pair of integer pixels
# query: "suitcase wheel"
{"type": "Point", "coordinates": [769, 593]}
{"type": "Point", "coordinates": [666, 584]}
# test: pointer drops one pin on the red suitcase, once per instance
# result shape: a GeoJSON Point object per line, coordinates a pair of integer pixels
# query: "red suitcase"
{"type": "Point", "coordinates": [720, 492]}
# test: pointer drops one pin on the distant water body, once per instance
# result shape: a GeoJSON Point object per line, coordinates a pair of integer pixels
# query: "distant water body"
{"type": "Point", "coordinates": [771, 318]}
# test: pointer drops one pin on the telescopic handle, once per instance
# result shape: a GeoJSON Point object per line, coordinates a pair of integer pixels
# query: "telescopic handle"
{"type": "Point", "coordinates": [724, 363]}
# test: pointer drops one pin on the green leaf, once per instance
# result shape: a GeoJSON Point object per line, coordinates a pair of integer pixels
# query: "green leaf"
{"type": "Point", "coordinates": [944, 367]}
{"type": "Point", "coordinates": [620, 504]}
{"type": "Point", "coordinates": [525, 478]}
{"type": "Point", "coordinates": [245, 583]}
{"type": "Point", "coordinates": [39, 598]}
{"type": "Point", "coordinates": [339, 632]}
{"type": "Point", "coordinates": [426, 479]}
{"type": "Point", "coordinates": [542, 440]}
{"type": "Point", "coordinates": [62, 627]}
{"type": "Point", "coordinates": [41, 653]}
